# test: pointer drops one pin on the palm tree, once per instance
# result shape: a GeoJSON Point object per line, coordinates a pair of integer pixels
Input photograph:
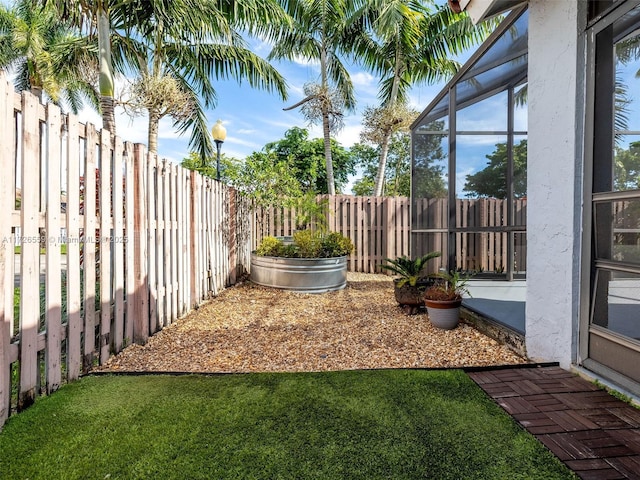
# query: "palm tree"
{"type": "Point", "coordinates": [47, 57]}
{"type": "Point", "coordinates": [321, 32]}
{"type": "Point", "coordinates": [186, 44]}
{"type": "Point", "coordinates": [93, 17]}
{"type": "Point", "coordinates": [407, 42]}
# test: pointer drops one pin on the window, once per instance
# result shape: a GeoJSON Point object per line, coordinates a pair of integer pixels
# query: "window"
{"type": "Point", "coordinates": [614, 323]}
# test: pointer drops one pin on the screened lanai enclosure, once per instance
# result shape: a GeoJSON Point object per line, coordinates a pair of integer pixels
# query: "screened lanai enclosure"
{"type": "Point", "coordinates": [469, 167]}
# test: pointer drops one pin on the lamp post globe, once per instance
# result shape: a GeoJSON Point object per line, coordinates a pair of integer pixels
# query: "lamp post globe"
{"type": "Point", "coordinates": [219, 135]}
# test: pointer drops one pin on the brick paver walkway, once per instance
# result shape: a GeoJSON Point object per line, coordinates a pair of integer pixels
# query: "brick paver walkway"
{"type": "Point", "coordinates": [593, 433]}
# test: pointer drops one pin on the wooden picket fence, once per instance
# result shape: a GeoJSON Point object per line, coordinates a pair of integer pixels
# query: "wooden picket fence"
{"type": "Point", "coordinates": [131, 244]}
{"type": "Point", "coordinates": [380, 227]}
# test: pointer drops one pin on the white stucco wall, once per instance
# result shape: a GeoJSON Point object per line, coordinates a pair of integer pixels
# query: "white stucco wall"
{"type": "Point", "coordinates": [554, 178]}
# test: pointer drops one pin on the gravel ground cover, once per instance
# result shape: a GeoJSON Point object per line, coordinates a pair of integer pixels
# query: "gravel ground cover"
{"type": "Point", "coordinates": [249, 328]}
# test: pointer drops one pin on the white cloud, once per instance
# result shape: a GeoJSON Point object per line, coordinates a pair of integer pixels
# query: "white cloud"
{"type": "Point", "coordinates": [242, 142]}
{"type": "Point", "coordinates": [296, 93]}
{"type": "Point", "coordinates": [363, 79]}
{"type": "Point", "coordinates": [306, 62]}
{"type": "Point", "coordinates": [349, 135]}
{"type": "Point", "coordinates": [461, 179]}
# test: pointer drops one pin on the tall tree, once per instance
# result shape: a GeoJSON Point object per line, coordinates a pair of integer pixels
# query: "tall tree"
{"type": "Point", "coordinates": [430, 163]}
{"type": "Point", "coordinates": [627, 167]}
{"type": "Point", "coordinates": [398, 172]}
{"type": "Point", "coordinates": [176, 48]}
{"type": "Point", "coordinates": [379, 127]}
{"type": "Point", "coordinates": [491, 181]}
{"type": "Point", "coordinates": [408, 42]}
{"type": "Point", "coordinates": [321, 32]}
{"type": "Point", "coordinates": [46, 55]}
{"type": "Point", "coordinates": [92, 17]}
{"type": "Point", "coordinates": [186, 45]}
{"type": "Point", "coordinates": [305, 159]}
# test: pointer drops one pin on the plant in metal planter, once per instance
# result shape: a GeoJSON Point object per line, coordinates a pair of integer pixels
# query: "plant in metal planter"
{"type": "Point", "coordinates": [443, 299]}
{"type": "Point", "coordinates": [315, 262]}
{"type": "Point", "coordinates": [412, 281]}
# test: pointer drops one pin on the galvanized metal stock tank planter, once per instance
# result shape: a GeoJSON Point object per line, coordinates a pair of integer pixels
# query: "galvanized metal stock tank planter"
{"type": "Point", "coordinates": [303, 275]}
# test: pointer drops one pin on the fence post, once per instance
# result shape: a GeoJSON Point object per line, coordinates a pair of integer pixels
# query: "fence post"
{"type": "Point", "coordinates": [105, 243]}
{"type": "Point", "coordinates": [233, 241]}
{"type": "Point", "coordinates": [174, 250]}
{"type": "Point", "coordinates": [74, 318]}
{"type": "Point", "coordinates": [89, 249]}
{"type": "Point", "coordinates": [117, 336]}
{"type": "Point", "coordinates": [6, 247]}
{"type": "Point", "coordinates": [53, 290]}
{"type": "Point", "coordinates": [389, 221]}
{"type": "Point", "coordinates": [151, 243]}
{"type": "Point", "coordinates": [141, 294]}
{"type": "Point", "coordinates": [29, 254]}
{"type": "Point", "coordinates": [193, 240]}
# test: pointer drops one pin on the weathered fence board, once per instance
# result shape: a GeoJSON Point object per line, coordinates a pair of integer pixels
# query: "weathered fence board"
{"type": "Point", "coordinates": [53, 287]}
{"type": "Point", "coordinates": [74, 317]}
{"type": "Point", "coordinates": [117, 337]}
{"type": "Point", "coordinates": [152, 242]}
{"type": "Point", "coordinates": [141, 293]}
{"type": "Point", "coordinates": [7, 204]}
{"type": "Point", "coordinates": [89, 248]}
{"type": "Point", "coordinates": [30, 256]}
{"type": "Point", "coordinates": [105, 242]}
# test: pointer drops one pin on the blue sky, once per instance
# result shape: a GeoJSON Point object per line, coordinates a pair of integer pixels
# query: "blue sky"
{"type": "Point", "coordinates": [255, 117]}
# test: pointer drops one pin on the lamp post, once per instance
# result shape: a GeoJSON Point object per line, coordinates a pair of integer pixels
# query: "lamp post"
{"type": "Point", "coordinates": [219, 134]}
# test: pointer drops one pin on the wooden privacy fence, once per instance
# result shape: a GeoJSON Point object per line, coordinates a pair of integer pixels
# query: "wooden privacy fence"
{"type": "Point", "coordinates": [377, 226]}
{"type": "Point", "coordinates": [130, 243]}
{"type": "Point", "coordinates": [380, 227]}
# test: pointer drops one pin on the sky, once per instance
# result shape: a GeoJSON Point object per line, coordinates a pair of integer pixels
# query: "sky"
{"type": "Point", "coordinates": [254, 117]}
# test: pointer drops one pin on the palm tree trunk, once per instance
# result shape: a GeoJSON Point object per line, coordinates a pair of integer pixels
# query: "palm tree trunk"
{"type": "Point", "coordinates": [382, 164]}
{"type": "Point", "coordinates": [384, 148]}
{"type": "Point", "coordinates": [331, 183]}
{"type": "Point", "coordinates": [152, 140]}
{"type": "Point", "coordinates": [106, 72]}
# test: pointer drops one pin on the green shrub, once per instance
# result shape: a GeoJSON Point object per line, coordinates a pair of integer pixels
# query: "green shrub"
{"type": "Point", "coordinates": [270, 247]}
{"type": "Point", "coordinates": [335, 244]}
{"type": "Point", "coordinates": [307, 244]}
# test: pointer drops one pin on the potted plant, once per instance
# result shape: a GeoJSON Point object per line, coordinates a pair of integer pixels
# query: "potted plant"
{"type": "Point", "coordinates": [412, 280]}
{"type": "Point", "coordinates": [313, 262]}
{"type": "Point", "coordinates": [443, 299]}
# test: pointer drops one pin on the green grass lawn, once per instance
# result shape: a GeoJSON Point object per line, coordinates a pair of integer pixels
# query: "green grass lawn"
{"type": "Point", "coordinates": [396, 424]}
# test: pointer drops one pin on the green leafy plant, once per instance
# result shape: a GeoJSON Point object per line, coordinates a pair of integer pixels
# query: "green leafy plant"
{"type": "Point", "coordinates": [452, 287]}
{"type": "Point", "coordinates": [307, 244]}
{"type": "Point", "coordinates": [335, 244]}
{"type": "Point", "coordinates": [409, 271]}
{"type": "Point", "coordinates": [310, 212]}
{"type": "Point", "coordinates": [270, 246]}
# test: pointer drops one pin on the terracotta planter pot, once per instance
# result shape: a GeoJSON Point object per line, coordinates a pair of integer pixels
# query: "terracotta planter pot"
{"type": "Point", "coordinates": [443, 314]}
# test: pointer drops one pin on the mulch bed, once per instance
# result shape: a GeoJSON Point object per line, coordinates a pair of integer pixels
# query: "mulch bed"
{"type": "Point", "coordinates": [249, 328]}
